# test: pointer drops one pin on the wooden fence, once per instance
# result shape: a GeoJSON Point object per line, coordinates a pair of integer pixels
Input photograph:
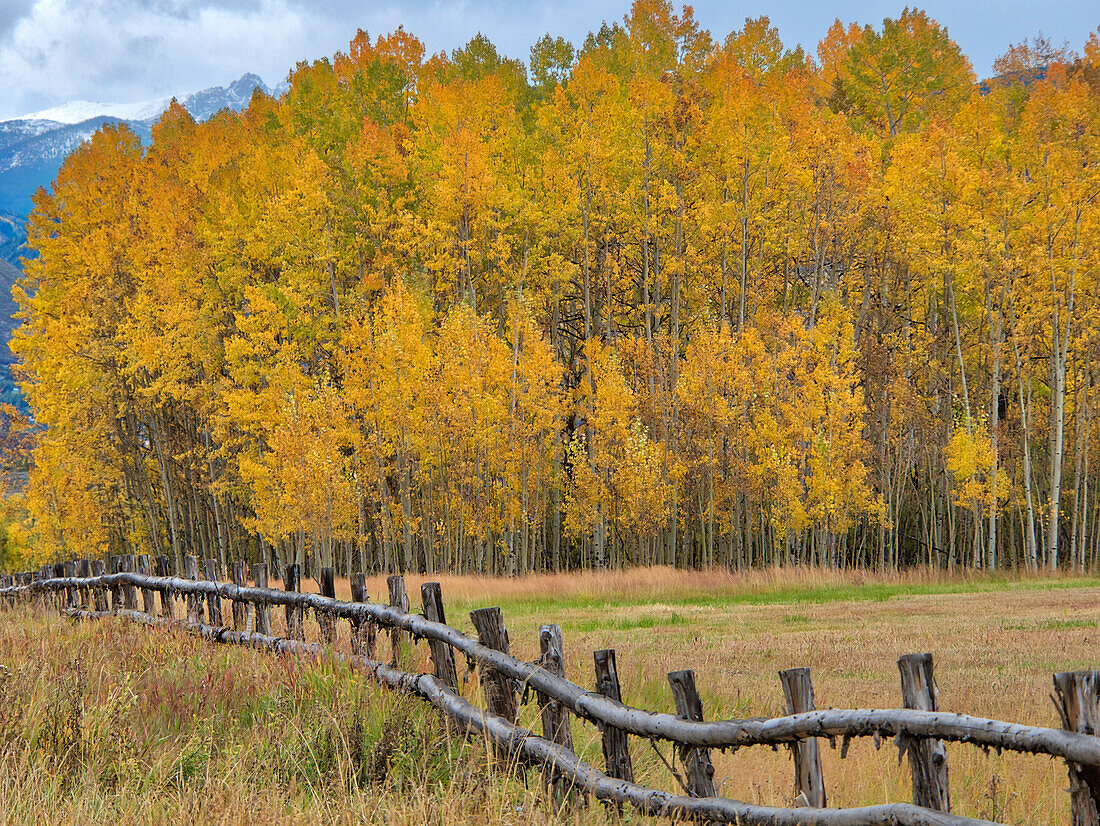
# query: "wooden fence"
{"type": "Point", "coordinates": [86, 589]}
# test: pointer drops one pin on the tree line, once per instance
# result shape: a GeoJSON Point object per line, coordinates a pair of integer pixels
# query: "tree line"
{"type": "Point", "coordinates": [659, 299]}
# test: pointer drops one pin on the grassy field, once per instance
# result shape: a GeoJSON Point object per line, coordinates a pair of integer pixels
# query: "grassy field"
{"type": "Point", "coordinates": [107, 722]}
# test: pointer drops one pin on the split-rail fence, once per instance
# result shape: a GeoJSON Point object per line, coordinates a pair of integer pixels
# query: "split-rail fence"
{"type": "Point", "coordinates": [83, 589]}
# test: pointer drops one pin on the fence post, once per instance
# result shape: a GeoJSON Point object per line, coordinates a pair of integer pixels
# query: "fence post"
{"type": "Point", "coordinates": [263, 608]}
{"type": "Point", "coordinates": [239, 575]}
{"type": "Point", "coordinates": [99, 594]}
{"type": "Point", "coordinates": [500, 691]}
{"type": "Point", "coordinates": [798, 691]}
{"type": "Point", "coordinates": [70, 593]}
{"type": "Point", "coordinates": [146, 592]}
{"type": "Point", "coordinates": [213, 601]}
{"type": "Point", "coordinates": [362, 630]}
{"type": "Point", "coordinates": [114, 566]}
{"type": "Point", "coordinates": [58, 572]}
{"type": "Point", "coordinates": [128, 565]}
{"type": "Point", "coordinates": [400, 600]}
{"type": "Point", "coordinates": [556, 724]}
{"type": "Point", "coordinates": [616, 742]}
{"type": "Point", "coordinates": [927, 757]}
{"type": "Point", "coordinates": [695, 760]}
{"type": "Point", "coordinates": [326, 621]}
{"type": "Point", "coordinates": [443, 656]}
{"type": "Point", "coordinates": [167, 608]}
{"type": "Point", "coordinates": [84, 571]}
{"type": "Point", "coordinates": [1076, 697]}
{"type": "Point", "coordinates": [194, 601]}
{"type": "Point", "coordinates": [291, 582]}
{"type": "Point", "coordinates": [47, 596]}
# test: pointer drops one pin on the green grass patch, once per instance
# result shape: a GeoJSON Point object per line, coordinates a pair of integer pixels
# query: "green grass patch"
{"type": "Point", "coordinates": [1049, 625]}
{"type": "Point", "coordinates": [626, 623]}
{"type": "Point", "coordinates": [781, 595]}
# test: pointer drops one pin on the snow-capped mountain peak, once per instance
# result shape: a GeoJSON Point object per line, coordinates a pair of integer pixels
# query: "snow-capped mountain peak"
{"type": "Point", "coordinates": [78, 111]}
{"type": "Point", "coordinates": [32, 147]}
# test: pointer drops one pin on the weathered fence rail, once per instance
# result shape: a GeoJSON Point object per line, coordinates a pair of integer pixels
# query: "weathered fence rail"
{"type": "Point", "coordinates": [81, 591]}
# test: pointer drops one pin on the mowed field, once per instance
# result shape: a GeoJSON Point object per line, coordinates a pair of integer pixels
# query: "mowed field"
{"type": "Point", "coordinates": [108, 722]}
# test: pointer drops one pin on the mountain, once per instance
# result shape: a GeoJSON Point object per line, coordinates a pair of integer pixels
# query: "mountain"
{"type": "Point", "coordinates": [78, 111]}
{"type": "Point", "coordinates": [33, 147]}
{"type": "Point", "coordinates": [13, 236]}
{"type": "Point", "coordinates": [8, 391]}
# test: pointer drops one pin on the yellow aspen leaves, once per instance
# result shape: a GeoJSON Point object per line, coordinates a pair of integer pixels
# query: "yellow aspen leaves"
{"type": "Point", "coordinates": [680, 299]}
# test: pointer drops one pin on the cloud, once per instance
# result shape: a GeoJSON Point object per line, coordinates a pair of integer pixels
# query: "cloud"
{"type": "Point", "coordinates": [11, 12]}
{"type": "Point", "coordinates": [55, 51]}
{"type": "Point", "coordinates": [125, 50]}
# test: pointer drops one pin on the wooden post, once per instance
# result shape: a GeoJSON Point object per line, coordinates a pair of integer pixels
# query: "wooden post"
{"type": "Point", "coordinates": [194, 601]}
{"type": "Point", "coordinates": [398, 599]}
{"type": "Point", "coordinates": [1076, 696]}
{"type": "Point", "coordinates": [500, 691]}
{"type": "Point", "coordinates": [443, 656]}
{"type": "Point", "coordinates": [213, 601]}
{"type": "Point", "coordinates": [47, 597]}
{"type": "Point", "coordinates": [698, 769]}
{"type": "Point", "coordinates": [616, 745]}
{"type": "Point", "coordinates": [128, 565]}
{"type": "Point", "coordinates": [99, 594]}
{"type": "Point", "coordinates": [84, 571]}
{"type": "Point", "coordinates": [167, 606]}
{"type": "Point", "coordinates": [239, 574]}
{"type": "Point", "coordinates": [114, 566]}
{"type": "Point", "coordinates": [58, 572]}
{"type": "Point", "coordinates": [798, 690]}
{"type": "Point", "coordinates": [362, 630]}
{"type": "Point", "coordinates": [291, 582]}
{"type": "Point", "coordinates": [927, 758]}
{"type": "Point", "coordinates": [556, 724]}
{"type": "Point", "coordinates": [263, 609]}
{"type": "Point", "coordinates": [70, 593]}
{"type": "Point", "coordinates": [146, 593]}
{"type": "Point", "coordinates": [325, 620]}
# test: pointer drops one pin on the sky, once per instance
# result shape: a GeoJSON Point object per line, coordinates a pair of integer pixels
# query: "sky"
{"type": "Point", "coordinates": [56, 51]}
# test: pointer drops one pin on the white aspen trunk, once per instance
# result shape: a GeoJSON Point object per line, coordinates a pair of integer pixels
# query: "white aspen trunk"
{"type": "Point", "coordinates": [1057, 423]}
{"type": "Point", "coordinates": [958, 351]}
{"type": "Point", "coordinates": [1032, 550]}
{"type": "Point", "coordinates": [1059, 352]}
{"type": "Point", "coordinates": [1079, 446]}
{"type": "Point", "coordinates": [994, 420]}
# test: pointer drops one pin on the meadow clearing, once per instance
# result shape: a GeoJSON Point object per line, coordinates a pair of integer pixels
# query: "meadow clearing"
{"type": "Point", "coordinates": [109, 722]}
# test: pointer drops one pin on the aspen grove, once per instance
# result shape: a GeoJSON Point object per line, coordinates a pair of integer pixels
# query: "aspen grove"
{"type": "Point", "coordinates": [664, 298]}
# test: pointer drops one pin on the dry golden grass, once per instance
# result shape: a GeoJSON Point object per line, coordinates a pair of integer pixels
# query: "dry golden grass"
{"type": "Point", "coordinates": [268, 737]}
{"type": "Point", "coordinates": [107, 722]}
{"type": "Point", "coordinates": [996, 643]}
